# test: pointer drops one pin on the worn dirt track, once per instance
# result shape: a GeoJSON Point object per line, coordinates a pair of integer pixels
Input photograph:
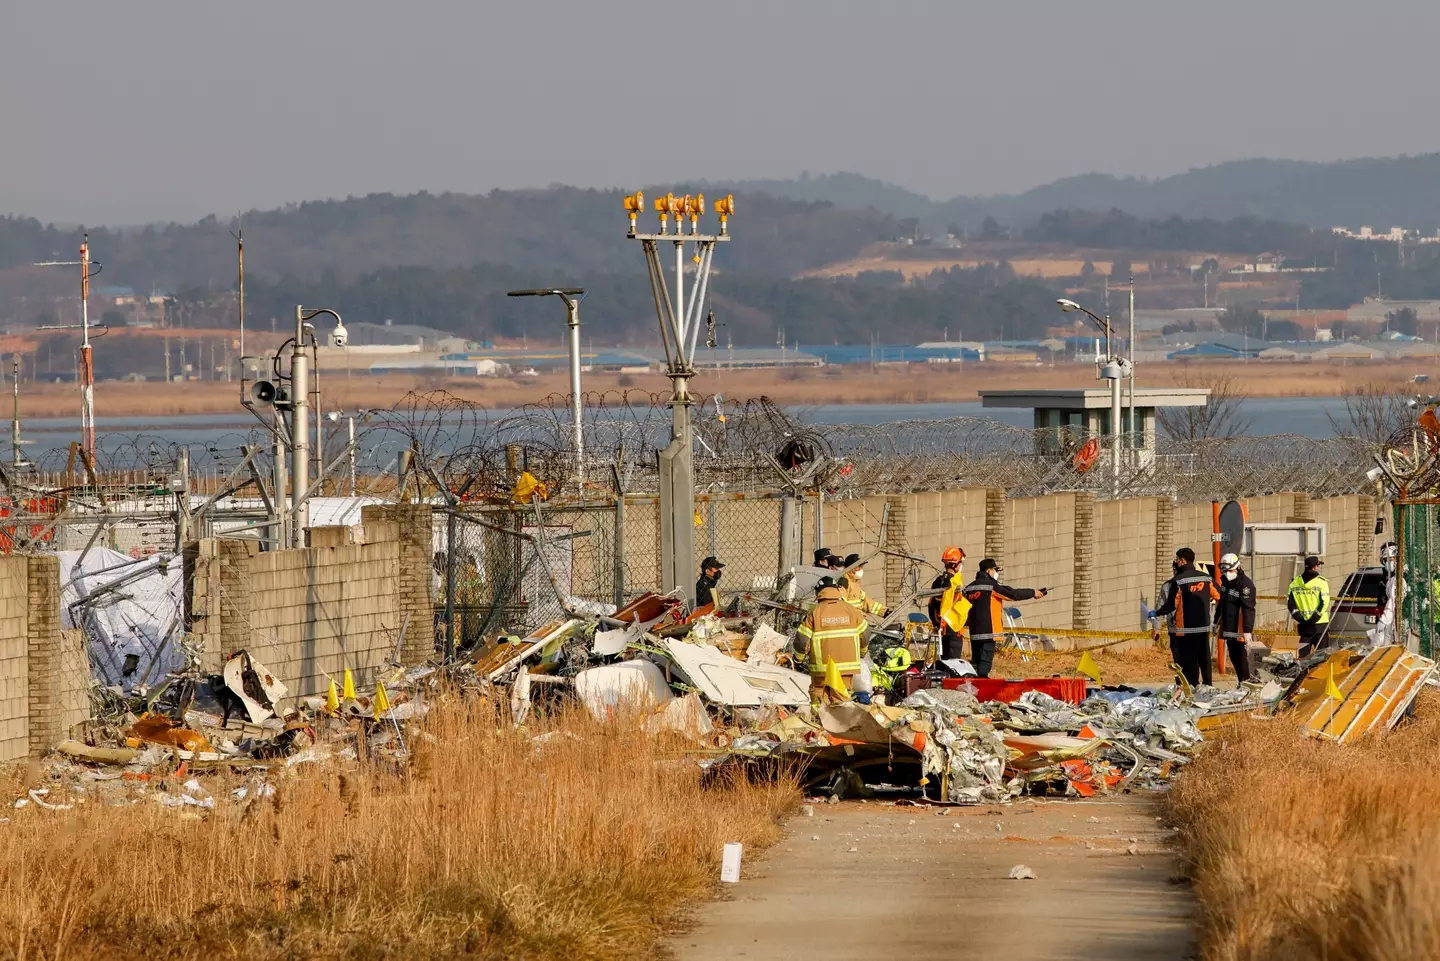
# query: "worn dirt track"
{"type": "Point", "coordinates": [920, 886]}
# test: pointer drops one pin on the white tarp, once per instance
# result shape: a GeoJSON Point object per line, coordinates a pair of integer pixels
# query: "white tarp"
{"type": "Point", "coordinates": [136, 610]}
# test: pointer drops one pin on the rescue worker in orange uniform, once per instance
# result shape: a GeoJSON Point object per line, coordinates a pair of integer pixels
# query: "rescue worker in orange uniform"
{"type": "Point", "coordinates": [832, 631]}
{"type": "Point", "coordinates": [986, 622]}
{"type": "Point", "coordinates": [855, 595]}
{"type": "Point", "coordinates": [1189, 597]}
{"type": "Point", "coordinates": [952, 576]}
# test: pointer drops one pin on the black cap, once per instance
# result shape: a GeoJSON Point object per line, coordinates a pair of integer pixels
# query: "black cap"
{"type": "Point", "coordinates": [989, 564]}
{"type": "Point", "coordinates": [823, 583]}
{"type": "Point", "coordinates": [1313, 561]}
{"type": "Point", "coordinates": [822, 554]}
{"type": "Point", "coordinates": [710, 562]}
{"type": "Point", "coordinates": [852, 559]}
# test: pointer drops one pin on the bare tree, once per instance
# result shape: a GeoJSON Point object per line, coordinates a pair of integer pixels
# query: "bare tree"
{"type": "Point", "coordinates": [1373, 412]}
{"type": "Point", "coordinates": [1222, 416]}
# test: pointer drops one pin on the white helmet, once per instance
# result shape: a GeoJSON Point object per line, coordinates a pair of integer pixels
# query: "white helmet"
{"type": "Point", "coordinates": [1228, 562]}
{"type": "Point", "coordinates": [1388, 551]}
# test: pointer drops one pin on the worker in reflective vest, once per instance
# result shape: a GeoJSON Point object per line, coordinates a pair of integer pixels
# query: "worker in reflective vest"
{"type": "Point", "coordinates": [1309, 603]}
{"type": "Point", "coordinates": [831, 631]}
{"type": "Point", "coordinates": [1189, 598]}
{"type": "Point", "coordinates": [944, 618]}
{"type": "Point", "coordinates": [855, 595]}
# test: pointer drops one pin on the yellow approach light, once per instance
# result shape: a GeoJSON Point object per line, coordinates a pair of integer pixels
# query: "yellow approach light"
{"type": "Point", "coordinates": [664, 206]}
{"type": "Point", "coordinates": [725, 207]}
{"type": "Point", "coordinates": [634, 206]}
{"type": "Point", "coordinates": [695, 207]}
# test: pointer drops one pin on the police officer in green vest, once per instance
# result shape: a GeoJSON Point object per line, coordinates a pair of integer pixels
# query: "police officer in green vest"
{"type": "Point", "coordinates": [1309, 604]}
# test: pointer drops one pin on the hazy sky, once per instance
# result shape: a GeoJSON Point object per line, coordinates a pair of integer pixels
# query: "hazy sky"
{"type": "Point", "coordinates": [146, 110]}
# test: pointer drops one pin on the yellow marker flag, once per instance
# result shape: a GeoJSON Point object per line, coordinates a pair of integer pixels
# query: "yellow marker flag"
{"type": "Point", "coordinates": [332, 699]}
{"type": "Point", "coordinates": [1088, 667]}
{"type": "Point", "coordinates": [349, 691]}
{"type": "Point", "coordinates": [528, 487]}
{"type": "Point", "coordinates": [833, 680]}
{"type": "Point", "coordinates": [954, 606]}
{"type": "Point", "coordinates": [1331, 690]}
{"type": "Point", "coordinates": [382, 701]}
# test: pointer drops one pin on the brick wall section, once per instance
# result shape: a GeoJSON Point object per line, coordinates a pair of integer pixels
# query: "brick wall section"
{"type": "Point", "coordinates": [317, 611]}
{"type": "Point", "coordinates": [1301, 508]}
{"type": "Point", "coordinates": [15, 691]}
{"type": "Point", "coordinates": [1126, 558]}
{"type": "Point", "coordinates": [235, 631]}
{"type": "Point", "coordinates": [897, 538]}
{"type": "Point", "coordinates": [1081, 602]}
{"type": "Point", "coordinates": [1365, 548]}
{"type": "Point", "coordinates": [995, 520]}
{"type": "Point", "coordinates": [416, 553]}
{"type": "Point", "coordinates": [1040, 547]}
{"type": "Point", "coordinates": [1164, 546]}
{"type": "Point", "coordinates": [44, 649]}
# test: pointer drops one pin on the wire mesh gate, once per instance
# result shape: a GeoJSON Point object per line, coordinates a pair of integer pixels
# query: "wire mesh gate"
{"type": "Point", "coordinates": [1417, 525]}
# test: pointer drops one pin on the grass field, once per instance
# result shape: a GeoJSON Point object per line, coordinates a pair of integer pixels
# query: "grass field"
{"type": "Point", "coordinates": [491, 845]}
{"type": "Point", "coordinates": [1301, 849]}
{"type": "Point", "coordinates": [901, 384]}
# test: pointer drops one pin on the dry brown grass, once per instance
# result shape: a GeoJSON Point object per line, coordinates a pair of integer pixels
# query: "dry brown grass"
{"type": "Point", "coordinates": [492, 846]}
{"type": "Point", "coordinates": [1149, 663]}
{"type": "Point", "coordinates": [1301, 849]}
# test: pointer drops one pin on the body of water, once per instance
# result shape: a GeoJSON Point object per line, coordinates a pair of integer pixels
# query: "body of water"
{"type": "Point", "coordinates": [1307, 416]}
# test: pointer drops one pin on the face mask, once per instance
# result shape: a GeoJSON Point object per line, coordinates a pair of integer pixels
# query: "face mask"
{"type": "Point", "coordinates": [1175, 565]}
{"type": "Point", "coordinates": [1389, 567]}
{"type": "Point", "coordinates": [1229, 575]}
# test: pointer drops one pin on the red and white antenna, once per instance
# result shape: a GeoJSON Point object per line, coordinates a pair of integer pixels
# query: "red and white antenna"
{"type": "Point", "coordinates": [87, 366]}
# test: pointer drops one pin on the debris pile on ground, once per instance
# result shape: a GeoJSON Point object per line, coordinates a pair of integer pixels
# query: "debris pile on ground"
{"type": "Point", "coordinates": [727, 686]}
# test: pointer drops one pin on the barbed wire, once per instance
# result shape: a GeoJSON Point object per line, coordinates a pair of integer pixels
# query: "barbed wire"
{"type": "Point", "coordinates": [745, 446]}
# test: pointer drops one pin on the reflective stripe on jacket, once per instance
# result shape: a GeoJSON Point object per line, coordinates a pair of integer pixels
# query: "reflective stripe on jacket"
{"type": "Point", "coordinates": [1189, 598]}
{"type": "Point", "coordinates": [987, 598]}
{"type": "Point", "coordinates": [856, 597]}
{"type": "Point", "coordinates": [832, 630]}
{"type": "Point", "coordinates": [1309, 597]}
{"type": "Point", "coordinates": [1236, 611]}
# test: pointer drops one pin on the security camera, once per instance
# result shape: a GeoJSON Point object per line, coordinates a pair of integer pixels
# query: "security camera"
{"type": "Point", "coordinates": [339, 337]}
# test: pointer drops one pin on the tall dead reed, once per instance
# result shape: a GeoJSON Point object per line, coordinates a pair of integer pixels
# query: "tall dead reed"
{"type": "Point", "coordinates": [1303, 849]}
{"type": "Point", "coordinates": [491, 844]}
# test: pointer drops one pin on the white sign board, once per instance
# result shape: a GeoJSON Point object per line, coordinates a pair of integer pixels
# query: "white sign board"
{"type": "Point", "coordinates": [730, 863]}
{"type": "Point", "coordinates": [1284, 540]}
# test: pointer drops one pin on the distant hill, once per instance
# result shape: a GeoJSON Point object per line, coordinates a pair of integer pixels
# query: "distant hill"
{"type": "Point", "coordinates": [1375, 191]}
{"type": "Point", "coordinates": [564, 231]}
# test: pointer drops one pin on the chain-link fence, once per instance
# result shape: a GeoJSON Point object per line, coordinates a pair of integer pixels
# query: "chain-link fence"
{"type": "Point", "coordinates": [1418, 527]}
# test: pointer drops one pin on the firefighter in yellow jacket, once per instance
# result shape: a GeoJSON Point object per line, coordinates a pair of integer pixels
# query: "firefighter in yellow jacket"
{"type": "Point", "coordinates": [855, 595]}
{"type": "Point", "coordinates": [831, 631]}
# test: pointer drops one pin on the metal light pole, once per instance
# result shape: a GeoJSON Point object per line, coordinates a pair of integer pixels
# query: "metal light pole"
{"type": "Point", "coordinates": [1114, 371]}
{"type": "Point", "coordinates": [300, 418]}
{"type": "Point", "coordinates": [680, 325]}
{"type": "Point", "coordinates": [572, 297]}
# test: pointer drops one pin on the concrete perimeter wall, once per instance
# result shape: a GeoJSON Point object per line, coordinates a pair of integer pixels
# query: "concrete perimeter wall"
{"type": "Point", "coordinates": [1103, 560]}
{"type": "Point", "coordinates": [309, 614]}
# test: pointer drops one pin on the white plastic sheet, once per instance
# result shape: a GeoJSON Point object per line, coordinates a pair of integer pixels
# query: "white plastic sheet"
{"type": "Point", "coordinates": [136, 610]}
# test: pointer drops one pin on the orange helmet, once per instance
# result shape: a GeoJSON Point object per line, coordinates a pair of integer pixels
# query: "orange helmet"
{"type": "Point", "coordinates": [952, 555]}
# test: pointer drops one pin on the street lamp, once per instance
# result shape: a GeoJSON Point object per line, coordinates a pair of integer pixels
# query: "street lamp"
{"type": "Point", "coordinates": [1114, 371]}
{"type": "Point", "coordinates": [572, 297]}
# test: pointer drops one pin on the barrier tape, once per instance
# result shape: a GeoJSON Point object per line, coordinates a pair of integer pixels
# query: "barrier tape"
{"type": "Point", "coordinates": [1119, 637]}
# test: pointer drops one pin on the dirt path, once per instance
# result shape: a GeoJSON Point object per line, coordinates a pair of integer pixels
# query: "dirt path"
{"type": "Point", "coordinates": [912, 883]}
